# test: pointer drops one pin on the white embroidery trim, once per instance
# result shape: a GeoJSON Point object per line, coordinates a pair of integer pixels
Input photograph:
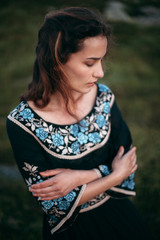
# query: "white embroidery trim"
{"type": "Point", "coordinates": [116, 189]}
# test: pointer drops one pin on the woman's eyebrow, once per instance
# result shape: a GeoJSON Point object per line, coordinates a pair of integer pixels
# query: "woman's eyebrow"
{"type": "Point", "coordinates": [93, 58]}
{"type": "Point", "coordinates": [96, 58]}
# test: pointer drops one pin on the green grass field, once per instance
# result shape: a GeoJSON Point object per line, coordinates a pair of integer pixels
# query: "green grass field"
{"type": "Point", "coordinates": [133, 74]}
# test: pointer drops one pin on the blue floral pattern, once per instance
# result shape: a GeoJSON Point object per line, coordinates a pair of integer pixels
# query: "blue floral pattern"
{"type": "Point", "coordinates": [47, 204]}
{"type": "Point", "coordinates": [129, 182]}
{"type": "Point", "coordinates": [84, 205]}
{"type": "Point", "coordinates": [74, 130]}
{"type": "Point", "coordinates": [63, 205]}
{"type": "Point", "coordinates": [75, 147]}
{"type": "Point", "coordinates": [91, 204]}
{"type": "Point", "coordinates": [103, 88]}
{"type": "Point", "coordinates": [94, 137]}
{"type": "Point", "coordinates": [104, 169]}
{"type": "Point", "coordinates": [56, 209]}
{"type": "Point", "coordinates": [27, 114]}
{"type": "Point", "coordinates": [82, 138]}
{"type": "Point", "coordinates": [70, 140]}
{"type": "Point", "coordinates": [106, 107]}
{"type": "Point", "coordinates": [70, 196]}
{"type": "Point", "coordinates": [53, 219]}
{"type": "Point", "coordinates": [101, 121]}
{"type": "Point", "coordinates": [84, 125]}
{"type": "Point", "coordinates": [41, 134]}
{"type": "Point", "coordinates": [57, 139]}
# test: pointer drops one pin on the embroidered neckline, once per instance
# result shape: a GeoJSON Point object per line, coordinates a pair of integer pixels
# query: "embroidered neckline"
{"type": "Point", "coordinates": [69, 141]}
{"type": "Point", "coordinates": [64, 125]}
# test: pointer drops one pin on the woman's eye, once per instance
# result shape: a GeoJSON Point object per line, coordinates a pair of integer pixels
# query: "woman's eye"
{"type": "Point", "coordinates": [89, 64]}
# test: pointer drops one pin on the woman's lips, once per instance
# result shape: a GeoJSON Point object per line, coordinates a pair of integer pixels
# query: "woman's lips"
{"type": "Point", "coordinates": [91, 83]}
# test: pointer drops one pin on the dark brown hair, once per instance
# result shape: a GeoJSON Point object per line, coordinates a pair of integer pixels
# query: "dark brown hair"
{"type": "Point", "coordinates": [61, 34]}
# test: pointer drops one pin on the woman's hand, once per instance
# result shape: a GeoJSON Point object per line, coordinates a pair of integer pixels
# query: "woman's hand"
{"type": "Point", "coordinates": [124, 165]}
{"type": "Point", "coordinates": [61, 182]}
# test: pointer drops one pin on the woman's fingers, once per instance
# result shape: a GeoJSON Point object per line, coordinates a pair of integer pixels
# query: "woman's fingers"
{"type": "Point", "coordinates": [120, 152]}
{"type": "Point", "coordinates": [131, 152]}
{"type": "Point", "coordinates": [49, 194]}
{"type": "Point", "coordinates": [49, 198]}
{"type": "Point", "coordinates": [135, 168]}
{"type": "Point", "coordinates": [41, 185]}
{"type": "Point", "coordinates": [42, 190]}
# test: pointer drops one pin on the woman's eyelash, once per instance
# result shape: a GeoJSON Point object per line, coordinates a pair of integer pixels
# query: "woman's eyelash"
{"type": "Point", "coordinates": [89, 64]}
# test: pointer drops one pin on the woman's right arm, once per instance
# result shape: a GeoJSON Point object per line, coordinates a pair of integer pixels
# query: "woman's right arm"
{"type": "Point", "coordinates": [31, 161]}
{"type": "Point", "coordinates": [122, 167]}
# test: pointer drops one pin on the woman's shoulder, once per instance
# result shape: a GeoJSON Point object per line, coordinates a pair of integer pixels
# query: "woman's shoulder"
{"type": "Point", "coordinates": [21, 115]}
{"type": "Point", "coordinates": [105, 94]}
{"type": "Point", "coordinates": [22, 110]}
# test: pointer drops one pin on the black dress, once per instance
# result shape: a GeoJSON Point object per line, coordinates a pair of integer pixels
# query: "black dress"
{"type": "Point", "coordinates": [39, 145]}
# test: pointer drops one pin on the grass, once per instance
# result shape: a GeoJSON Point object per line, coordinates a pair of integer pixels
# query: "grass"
{"type": "Point", "coordinates": [132, 72]}
{"type": "Point", "coordinates": [20, 217]}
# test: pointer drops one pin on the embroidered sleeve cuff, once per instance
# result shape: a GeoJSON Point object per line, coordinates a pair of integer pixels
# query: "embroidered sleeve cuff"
{"type": "Point", "coordinates": [127, 188]}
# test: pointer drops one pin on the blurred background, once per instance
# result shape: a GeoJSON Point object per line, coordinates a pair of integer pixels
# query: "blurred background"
{"type": "Point", "coordinates": [133, 74]}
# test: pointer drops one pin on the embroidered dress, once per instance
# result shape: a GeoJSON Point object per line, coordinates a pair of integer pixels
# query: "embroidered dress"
{"type": "Point", "coordinates": [39, 145]}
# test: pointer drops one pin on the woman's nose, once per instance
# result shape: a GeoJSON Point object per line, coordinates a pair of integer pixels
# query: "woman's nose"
{"type": "Point", "coordinates": [98, 72]}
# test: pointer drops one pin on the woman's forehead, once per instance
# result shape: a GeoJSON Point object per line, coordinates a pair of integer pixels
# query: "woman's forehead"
{"type": "Point", "coordinates": [94, 47]}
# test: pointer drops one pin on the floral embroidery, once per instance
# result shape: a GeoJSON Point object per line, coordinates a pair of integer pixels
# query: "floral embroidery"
{"type": "Point", "coordinates": [106, 107]}
{"type": "Point", "coordinates": [70, 196]}
{"type": "Point", "coordinates": [94, 201]}
{"type": "Point", "coordinates": [47, 204]}
{"type": "Point", "coordinates": [82, 138]}
{"type": "Point", "coordinates": [53, 219]}
{"type": "Point", "coordinates": [63, 205]}
{"type": "Point", "coordinates": [94, 137]}
{"type": "Point", "coordinates": [70, 140]}
{"type": "Point", "coordinates": [103, 88]}
{"type": "Point", "coordinates": [57, 208]}
{"type": "Point", "coordinates": [104, 169]}
{"type": "Point", "coordinates": [27, 114]}
{"type": "Point", "coordinates": [84, 205]}
{"type": "Point", "coordinates": [75, 147]}
{"type": "Point", "coordinates": [74, 130]}
{"type": "Point", "coordinates": [41, 134]}
{"type": "Point", "coordinates": [30, 168]}
{"type": "Point", "coordinates": [101, 121]}
{"type": "Point", "coordinates": [84, 125]}
{"type": "Point", "coordinates": [129, 182]}
{"type": "Point", "coordinates": [57, 139]}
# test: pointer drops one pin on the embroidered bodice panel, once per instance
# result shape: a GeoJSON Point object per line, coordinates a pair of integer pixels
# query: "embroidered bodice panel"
{"type": "Point", "coordinates": [70, 141]}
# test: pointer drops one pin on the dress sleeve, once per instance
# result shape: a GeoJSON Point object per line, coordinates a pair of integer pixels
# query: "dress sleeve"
{"type": "Point", "coordinates": [31, 161]}
{"type": "Point", "coordinates": [120, 136]}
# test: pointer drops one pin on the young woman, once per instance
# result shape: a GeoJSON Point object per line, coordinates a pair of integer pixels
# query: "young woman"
{"type": "Point", "coordinates": [69, 139]}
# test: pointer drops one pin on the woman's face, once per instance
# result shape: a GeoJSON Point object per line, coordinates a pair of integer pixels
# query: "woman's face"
{"type": "Point", "coordinates": [85, 67]}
